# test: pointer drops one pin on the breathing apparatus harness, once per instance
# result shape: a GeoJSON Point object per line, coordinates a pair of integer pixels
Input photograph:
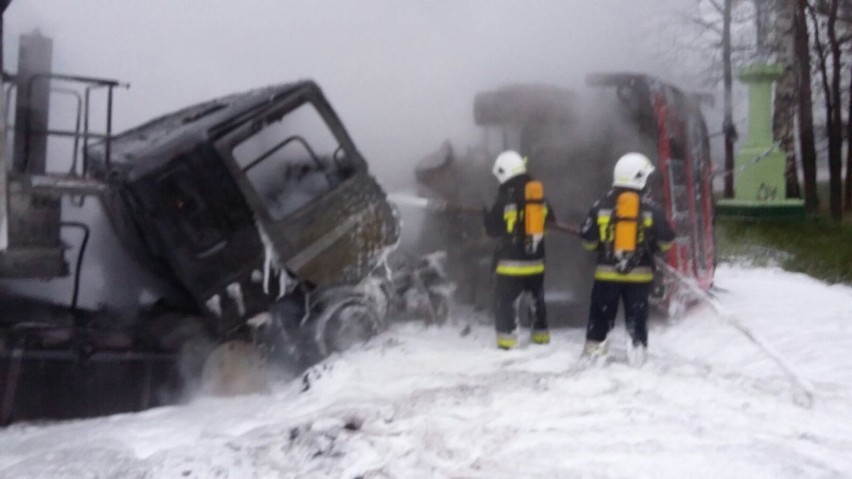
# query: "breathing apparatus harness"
{"type": "Point", "coordinates": [525, 217]}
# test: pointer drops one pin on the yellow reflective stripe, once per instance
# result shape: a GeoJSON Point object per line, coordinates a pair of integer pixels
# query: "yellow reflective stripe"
{"type": "Point", "coordinates": [603, 228]}
{"type": "Point", "coordinates": [520, 268]}
{"type": "Point", "coordinates": [647, 223]}
{"type": "Point", "coordinates": [590, 245]}
{"type": "Point", "coordinates": [506, 341]}
{"type": "Point", "coordinates": [639, 274]}
{"type": "Point", "coordinates": [604, 217]}
{"type": "Point", "coordinates": [664, 245]}
{"type": "Point", "coordinates": [637, 269]}
{"type": "Point", "coordinates": [624, 278]}
{"type": "Point", "coordinates": [510, 216]}
{"type": "Point", "coordinates": [541, 337]}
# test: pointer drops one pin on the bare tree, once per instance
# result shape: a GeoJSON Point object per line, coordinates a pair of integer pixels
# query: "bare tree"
{"type": "Point", "coordinates": [720, 36]}
{"type": "Point", "coordinates": [774, 26]}
{"type": "Point", "coordinates": [728, 128]}
{"type": "Point", "coordinates": [807, 144]}
{"type": "Point", "coordinates": [848, 186]}
{"type": "Point", "coordinates": [770, 24]}
{"type": "Point", "coordinates": [844, 25]}
{"type": "Point", "coordinates": [847, 198]}
{"type": "Point", "coordinates": [829, 67]}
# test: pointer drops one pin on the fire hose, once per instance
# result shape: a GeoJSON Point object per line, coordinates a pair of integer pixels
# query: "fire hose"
{"type": "Point", "coordinates": [802, 383]}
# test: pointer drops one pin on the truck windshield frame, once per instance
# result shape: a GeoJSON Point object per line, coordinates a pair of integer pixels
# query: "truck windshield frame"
{"type": "Point", "coordinates": [292, 159]}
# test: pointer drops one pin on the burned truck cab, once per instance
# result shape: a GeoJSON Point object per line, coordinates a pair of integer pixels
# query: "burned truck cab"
{"type": "Point", "coordinates": [254, 221]}
{"type": "Point", "coordinates": [248, 224]}
{"type": "Point", "coordinates": [241, 200]}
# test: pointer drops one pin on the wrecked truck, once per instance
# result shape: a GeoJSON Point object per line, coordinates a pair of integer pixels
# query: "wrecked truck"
{"type": "Point", "coordinates": [572, 141]}
{"type": "Point", "coordinates": [251, 222]}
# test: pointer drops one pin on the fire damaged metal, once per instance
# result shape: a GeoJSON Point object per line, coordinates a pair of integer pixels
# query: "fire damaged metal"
{"type": "Point", "coordinates": [255, 215]}
{"type": "Point", "coordinates": [240, 198]}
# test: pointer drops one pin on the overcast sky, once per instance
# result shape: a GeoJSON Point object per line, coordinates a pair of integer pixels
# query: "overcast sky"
{"type": "Point", "coordinates": [401, 74]}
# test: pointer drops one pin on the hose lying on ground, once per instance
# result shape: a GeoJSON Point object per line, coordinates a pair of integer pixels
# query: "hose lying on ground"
{"type": "Point", "coordinates": [802, 383]}
{"type": "Point", "coordinates": [805, 386]}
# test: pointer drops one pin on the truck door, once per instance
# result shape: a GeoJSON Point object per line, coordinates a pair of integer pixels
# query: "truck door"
{"type": "Point", "coordinates": [321, 214]}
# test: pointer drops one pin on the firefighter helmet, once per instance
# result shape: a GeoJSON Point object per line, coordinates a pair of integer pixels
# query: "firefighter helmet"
{"type": "Point", "coordinates": [631, 171]}
{"type": "Point", "coordinates": [508, 165]}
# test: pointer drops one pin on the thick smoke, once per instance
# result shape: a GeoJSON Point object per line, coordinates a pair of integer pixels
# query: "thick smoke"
{"type": "Point", "coordinates": [402, 75]}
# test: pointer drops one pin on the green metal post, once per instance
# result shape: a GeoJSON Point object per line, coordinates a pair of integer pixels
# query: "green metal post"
{"type": "Point", "coordinates": [760, 189]}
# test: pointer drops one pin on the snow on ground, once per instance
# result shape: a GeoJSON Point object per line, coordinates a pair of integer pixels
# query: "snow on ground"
{"type": "Point", "coordinates": [421, 402]}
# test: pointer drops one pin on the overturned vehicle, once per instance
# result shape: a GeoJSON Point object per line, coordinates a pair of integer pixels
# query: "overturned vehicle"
{"type": "Point", "coordinates": [246, 228]}
{"type": "Point", "coordinates": [572, 141]}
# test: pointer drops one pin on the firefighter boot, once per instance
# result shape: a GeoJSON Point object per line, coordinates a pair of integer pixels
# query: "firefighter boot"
{"type": "Point", "coordinates": [637, 353]}
{"type": "Point", "coordinates": [506, 341]}
{"type": "Point", "coordinates": [595, 353]}
{"type": "Point", "coordinates": [540, 336]}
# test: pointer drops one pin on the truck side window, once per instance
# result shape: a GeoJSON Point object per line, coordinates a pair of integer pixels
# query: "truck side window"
{"type": "Point", "coordinates": [292, 161]}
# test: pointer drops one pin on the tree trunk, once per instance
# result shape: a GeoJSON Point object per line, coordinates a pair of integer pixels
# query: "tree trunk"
{"type": "Point", "coordinates": [831, 87]}
{"type": "Point", "coordinates": [849, 170]}
{"type": "Point", "coordinates": [847, 198]}
{"type": "Point", "coordinates": [784, 111]}
{"type": "Point", "coordinates": [807, 144]}
{"type": "Point", "coordinates": [728, 122]}
{"type": "Point", "coordinates": [835, 138]}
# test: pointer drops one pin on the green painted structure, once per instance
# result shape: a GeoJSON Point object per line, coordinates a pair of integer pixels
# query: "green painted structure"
{"type": "Point", "coordinates": [760, 189]}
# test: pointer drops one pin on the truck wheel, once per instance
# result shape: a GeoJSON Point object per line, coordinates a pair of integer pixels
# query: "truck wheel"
{"type": "Point", "coordinates": [344, 326]}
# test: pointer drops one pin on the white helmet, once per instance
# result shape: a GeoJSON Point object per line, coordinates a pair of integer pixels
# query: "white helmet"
{"type": "Point", "coordinates": [631, 171]}
{"type": "Point", "coordinates": [508, 165]}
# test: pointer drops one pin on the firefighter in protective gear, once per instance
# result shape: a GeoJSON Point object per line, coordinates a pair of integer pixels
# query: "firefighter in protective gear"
{"type": "Point", "coordinates": [517, 219]}
{"type": "Point", "coordinates": [626, 230]}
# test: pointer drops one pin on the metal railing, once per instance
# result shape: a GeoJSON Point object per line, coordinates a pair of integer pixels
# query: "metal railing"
{"type": "Point", "coordinates": [82, 116]}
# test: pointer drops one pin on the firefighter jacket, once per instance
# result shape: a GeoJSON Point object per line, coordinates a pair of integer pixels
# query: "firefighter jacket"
{"type": "Point", "coordinates": [516, 254]}
{"type": "Point", "coordinates": [653, 234]}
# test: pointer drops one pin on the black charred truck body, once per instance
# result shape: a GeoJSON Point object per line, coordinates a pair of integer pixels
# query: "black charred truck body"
{"type": "Point", "coordinates": [245, 198]}
{"type": "Point", "coordinates": [572, 142]}
{"type": "Point", "coordinates": [252, 217]}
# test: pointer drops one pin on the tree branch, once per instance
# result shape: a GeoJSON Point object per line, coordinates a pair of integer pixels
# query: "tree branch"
{"type": "Point", "coordinates": [707, 25]}
{"type": "Point", "coordinates": [719, 8]}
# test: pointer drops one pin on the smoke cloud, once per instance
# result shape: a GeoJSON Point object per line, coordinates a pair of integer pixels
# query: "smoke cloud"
{"type": "Point", "coordinates": [402, 75]}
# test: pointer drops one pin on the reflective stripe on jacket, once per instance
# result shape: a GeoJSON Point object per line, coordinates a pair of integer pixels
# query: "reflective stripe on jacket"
{"type": "Point", "coordinates": [510, 267]}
